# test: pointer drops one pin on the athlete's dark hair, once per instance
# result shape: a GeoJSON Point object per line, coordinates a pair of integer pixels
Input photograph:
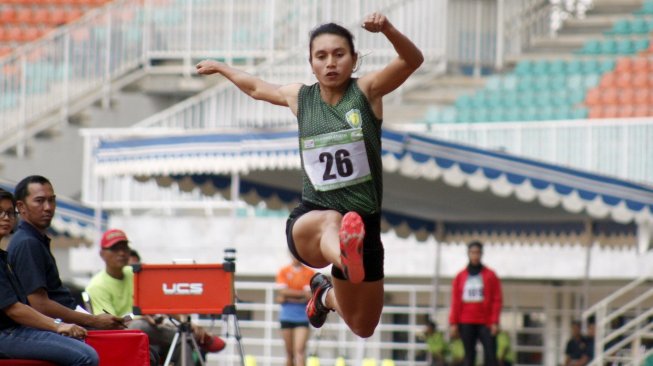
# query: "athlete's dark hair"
{"type": "Point", "coordinates": [476, 244]}
{"type": "Point", "coordinates": [21, 191]}
{"type": "Point", "coordinates": [331, 28]}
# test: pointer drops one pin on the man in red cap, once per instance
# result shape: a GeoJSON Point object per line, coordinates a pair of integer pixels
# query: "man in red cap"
{"type": "Point", "coordinates": [111, 291]}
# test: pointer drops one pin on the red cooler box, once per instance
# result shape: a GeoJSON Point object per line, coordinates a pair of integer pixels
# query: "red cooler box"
{"type": "Point", "coordinates": [120, 347]}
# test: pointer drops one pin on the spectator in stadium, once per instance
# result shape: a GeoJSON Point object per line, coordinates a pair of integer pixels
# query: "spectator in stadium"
{"type": "Point", "coordinates": [339, 118]}
{"type": "Point", "coordinates": [436, 344]}
{"type": "Point", "coordinates": [111, 290]}
{"type": "Point", "coordinates": [134, 257]}
{"type": "Point", "coordinates": [591, 329]}
{"type": "Point", "coordinates": [293, 292]}
{"type": "Point", "coordinates": [476, 302]}
{"type": "Point", "coordinates": [576, 351]}
{"type": "Point", "coordinates": [505, 354]}
{"type": "Point", "coordinates": [24, 332]}
{"type": "Point", "coordinates": [34, 264]}
{"type": "Point", "coordinates": [456, 351]}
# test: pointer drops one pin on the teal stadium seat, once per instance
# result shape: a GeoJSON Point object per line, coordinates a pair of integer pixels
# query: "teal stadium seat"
{"type": "Point", "coordinates": [573, 67]}
{"type": "Point", "coordinates": [478, 100]}
{"type": "Point", "coordinates": [625, 47]}
{"type": "Point", "coordinates": [542, 82]}
{"type": "Point", "coordinates": [646, 9]}
{"type": "Point", "coordinates": [525, 82]}
{"type": "Point", "coordinates": [544, 98]}
{"type": "Point", "coordinates": [590, 66]}
{"type": "Point", "coordinates": [526, 99]}
{"type": "Point", "coordinates": [463, 102]}
{"type": "Point", "coordinates": [540, 67]}
{"type": "Point", "coordinates": [641, 45]}
{"type": "Point", "coordinates": [591, 80]}
{"type": "Point", "coordinates": [448, 115]}
{"type": "Point", "coordinates": [558, 81]}
{"type": "Point", "coordinates": [609, 47]}
{"type": "Point", "coordinates": [481, 115]}
{"type": "Point", "coordinates": [509, 82]}
{"type": "Point", "coordinates": [620, 27]}
{"type": "Point", "coordinates": [557, 67]}
{"type": "Point", "coordinates": [607, 65]}
{"type": "Point", "coordinates": [591, 47]}
{"type": "Point", "coordinates": [575, 82]}
{"type": "Point", "coordinates": [513, 115]}
{"type": "Point", "coordinates": [523, 68]}
{"type": "Point", "coordinates": [560, 98]}
{"type": "Point", "coordinates": [493, 100]}
{"type": "Point", "coordinates": [546, 114]}
{"type": "Point", "coordinates": [493, 83]}
{"type": "Point", "coordinates": [497, 115]}
{"type": "Point", "coordinates": [639, 26]}
{"type": "Point", "coordinates": [463, 115]}
{"type": "Point", "coordinates": [579, 113]}
{"type": "Point", "coordinates": [509, 99]}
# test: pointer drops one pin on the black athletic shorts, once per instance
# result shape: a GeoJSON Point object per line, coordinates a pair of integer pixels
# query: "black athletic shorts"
{"type": "Point", "coordinates": [372, 246]}
{"type": "Point", "coordinates": [293, 325]}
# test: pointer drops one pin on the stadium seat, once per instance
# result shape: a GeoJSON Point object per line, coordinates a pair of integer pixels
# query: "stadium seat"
{"type": "Point", "coordinates": [624, 79]}
{"type": "Point", "coordinates": [513, 114]}
{"type": "Point", "coordinates": [509, 82]}
{"type": "Point", "coordinates": [509, 99]}
{"type": "Point", "coordinates": [558, 81]}
{"type": "Point", "coordinates": [480, 115]}
{"type": "Point", "coordinates": [493, 100]}
{"type": "Point", "coordinates": [497, 115]}
{"type": "Point", "coordinates": [557, 67]}
{"type": "Point", "coordinates": [609, 96]}
{"type": "Point", "coordinates": [463, 115]}
{"type": "Point", "coordinates": [591, 80]}
{"type": "Point", "coordinates": [610, 111]}
{"type": "Point", "coordinates": [640, 64]}
{"type": "Point", "coordinates": [639, 26]}
{"type": "Point", "coordinates": [545, 114]}
{"type": "Point", "coordinates": [623, 64]}
{"type": "Point", "coordinates": [575, 96]}
{"type": "Point", "coordinates": [646, 9]}
{"type": "Point", "coordinates": [493, 83]}
{"type": "Point", "coordinates": [540, 67]}
{"type": "Point", "coordinates": [463, 101]}
{"type": "Point", "coordinates": [525, 82]}
{"type": "Point", "coordinates": [595, 112]}
{"type": "Point", "coordinates": [612, 47]}
{"type": "Point", "coordinates": [608, 80]}
{"type": "Point", "coordinates": [523, 68]}
{"type": "Point", "coordinates": [591, 47]}
{"type": "Point", "coordinates": [542, 82]}
{"type": "Point", "coordinates": [606, 65]}
{"type": "Point", "coordinates": [526, 99]}
{"type": "Point", "coordinates": [593, 97]}
{"type": "Point", "coordinates": [573, 67]}
{"type": "Point", "coordinates": [579, 113]}
{"type": "Point", "coordinates": [625, 111]}
{"type": "Point", "coordinates": [590, 66]}
{"type": "Point", "coordinates": [478, 100]}
{"type": "Point", "coordinates": [641, 45]}
{"type": "Point", "coordinates": [626, 96]}
{"type": "Point", "coordinates": [620, 27]}
{"type": "Point", "coordinates": [642, 110]}
{"type": "Point", "coordinates": [575, 82]}
{"type": "Point", "coordinates": [641, 96]}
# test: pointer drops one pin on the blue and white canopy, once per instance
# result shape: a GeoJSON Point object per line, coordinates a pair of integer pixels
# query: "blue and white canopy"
{"type": "Point", "coordinates": [428, 182]}
{"type": "Point", "coordinates": [72, 220]}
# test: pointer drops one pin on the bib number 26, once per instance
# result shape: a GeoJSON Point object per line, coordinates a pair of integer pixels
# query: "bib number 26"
{"type": "Point", "coordinates": [340, 159]}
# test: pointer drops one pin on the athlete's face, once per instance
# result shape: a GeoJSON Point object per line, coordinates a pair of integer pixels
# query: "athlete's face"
{"type": "Point", "coordinates": [332, 60]}
{"type": "Point", "coordinates": [475, 254]}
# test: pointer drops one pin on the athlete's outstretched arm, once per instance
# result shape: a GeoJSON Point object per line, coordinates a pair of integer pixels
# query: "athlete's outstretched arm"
{"type": "Point", "coordinates": [283, 95]}
{"type": "Point", "coordinates": [409, 58]}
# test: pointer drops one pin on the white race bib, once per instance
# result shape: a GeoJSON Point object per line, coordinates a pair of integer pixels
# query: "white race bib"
{"type": "Point", "coordinates": [473, 290]}
{"type": "Point", "coordinates": [335, 160]}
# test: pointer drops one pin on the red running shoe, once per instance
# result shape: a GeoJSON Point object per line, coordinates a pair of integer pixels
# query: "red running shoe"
{"type": "Point", "coordinates": [315, 310]}
{"type": "Point", "coordinates": [352, 233]}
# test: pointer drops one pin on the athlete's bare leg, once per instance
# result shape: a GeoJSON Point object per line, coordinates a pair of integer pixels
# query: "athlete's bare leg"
{"type": "Point", "coordinates": [318, 243]}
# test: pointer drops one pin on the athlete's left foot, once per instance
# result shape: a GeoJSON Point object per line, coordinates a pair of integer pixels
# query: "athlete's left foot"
{"type": "Point", "coordinates": [352, 233]}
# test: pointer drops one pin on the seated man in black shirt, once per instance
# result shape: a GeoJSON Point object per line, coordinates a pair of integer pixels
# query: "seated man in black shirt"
{"type": "Point", "coordinates": [577, 348]}
{"type": "Point", "coordinates": [24, 332]}
{"type": "Point", "coordinates": [34, 265]}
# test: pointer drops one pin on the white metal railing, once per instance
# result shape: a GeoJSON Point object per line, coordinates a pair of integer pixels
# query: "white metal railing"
{"type": "Point", "coordinates": [621, 343]}
{"type": "Point", "coordinates": [226, 106]}
{"type": "Point", "coordinates": [616, 147]}
{"type": "Point", "coordinates": [43, 82]}
{"type": "Point", "coordinates": [484, 33]}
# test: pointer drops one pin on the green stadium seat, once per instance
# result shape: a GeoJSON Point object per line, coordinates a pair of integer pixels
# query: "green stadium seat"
{"type": "Point", "coordinates": [526, 99]}
{"type": "Point", "coordinates": [529, 114]}
{"type": "Point", "coordinates": [575, 82]}
{"type": "Point", "coordinates": [432, 115]}
{"type": "Point", "coordinates": [463, 101]}
{"type": "Point", "coordinates": [557, 67]}
{"type": "Point", "coordinates": [591, 80]}
{"type": "Point", "coordinates": [561, 113]}
{"type": "Point", "coordinates": [558, 81]}
{"type": "Point", "coordinates": [544, 99]}
{"type": "Point", "coordinates": [560, 98]}
{"type": "Point", "coordinates": [610, 47]}
{"type": "Point", "coordinates": [646, 9]}
{"type": "Point", "coordinates": [513, 114]}
{"type": "Point", "coordinates": [639, 26]}
{"type": "Point", "coordinates": [463, 115]}
{"type": "Point", "coordinates": [509, 99]}
{"type": "Point", "coordinates": [579, 113]}
{"type": "Point", "coordinates": [546, 114]}
{"type": "Point", "coordinates": [641, 45]}
{"type": "Point", "coordinates": [576, 96]}
{"type": "Point", "coordinates": [607, 65]}
{"type": "Point", "coordinates": [493, 83]}
{"type": "Point", "coordinates": [493, 100]}
{"type": "Point", "coordinates": [591, 47]}
{"type": "Point", "coordinates": [448, 115]}
{"type": "Point", "coordinates": [525, 82]}
{"type": "Point", "coordinates": [540, 67]}
{"type": "Point", "coordinates": [542, 82]}
{"type": "Point", "coordinates": [523, 68]}
{"type": "Point", "coordinates": [625, 47]}
{"type": "Point", "coordinates": [509, 82]}
{"type": "Point", "coordinates": [590, 66]}
{"type": "Point", "coordinates": [497, 115]}
{"type": "Point", "coordinates": [481, 115]}
{"type": "Point", "coordinates": [620, 27]}
{"type": "Point", "coordinates": [574, 67]}
{"type": "Point", "coordinates": [478, 100]}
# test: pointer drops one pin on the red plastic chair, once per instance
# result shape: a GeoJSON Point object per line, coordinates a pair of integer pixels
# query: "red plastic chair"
{"type": "Point", "coordinates": [609, 96]}
{"type": "Point", "coordinates": [608, 80]}
{"type": "Point", "coordinates": [626, 96]}
{"type": "Point", "coordinates": [610, 111]}
{"type": "Point", "coordinates": [642, 110]}
{"type": "Point", "coordinates": [641, 96]}
{"type": "Point", "coordinates": [640, 64]}
{"type": "Point", "coordinates": [593, 97]}
{"type": "Point", "coordinates": [595, 112]}
{"type": "Point", "coordinates": [623, 64]}
{"type": "Point", "coordinates": [624, 79]}
{"type": "Point", "coordinates": [625, 111]}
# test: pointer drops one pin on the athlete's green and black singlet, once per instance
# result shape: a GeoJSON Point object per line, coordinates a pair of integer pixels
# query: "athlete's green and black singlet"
{"type": "Point", "coordinates": [340, 149]}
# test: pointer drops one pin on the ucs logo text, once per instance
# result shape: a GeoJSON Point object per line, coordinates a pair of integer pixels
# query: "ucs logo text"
{"type": "Point", "coordinates": [183, 288]}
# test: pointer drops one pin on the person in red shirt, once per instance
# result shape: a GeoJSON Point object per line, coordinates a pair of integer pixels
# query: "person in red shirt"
{"type": "Point", "coordinates": [476, 302]}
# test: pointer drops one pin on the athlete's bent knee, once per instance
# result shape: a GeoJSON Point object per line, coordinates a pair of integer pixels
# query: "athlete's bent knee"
{"type": "Point", "coordinates": [363, 331]}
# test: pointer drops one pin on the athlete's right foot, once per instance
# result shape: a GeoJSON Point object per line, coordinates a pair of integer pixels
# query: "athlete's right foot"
{"type": "Point", "coordinates": [317, 311]}
{"type": "Point", "coordinates": [352, 233]}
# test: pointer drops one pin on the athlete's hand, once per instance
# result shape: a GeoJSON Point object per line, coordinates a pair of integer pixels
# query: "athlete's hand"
{"type": "Point", "coordinates": [71, 330]}
{"type": "Point", "coordinates": [375, 22]}
{"type": "Point", "coordinates": [453, 331]}
{"type": "Point", "coordinates": [208, 67]}
{"type": "Point", "coordinates": [494, 329]}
